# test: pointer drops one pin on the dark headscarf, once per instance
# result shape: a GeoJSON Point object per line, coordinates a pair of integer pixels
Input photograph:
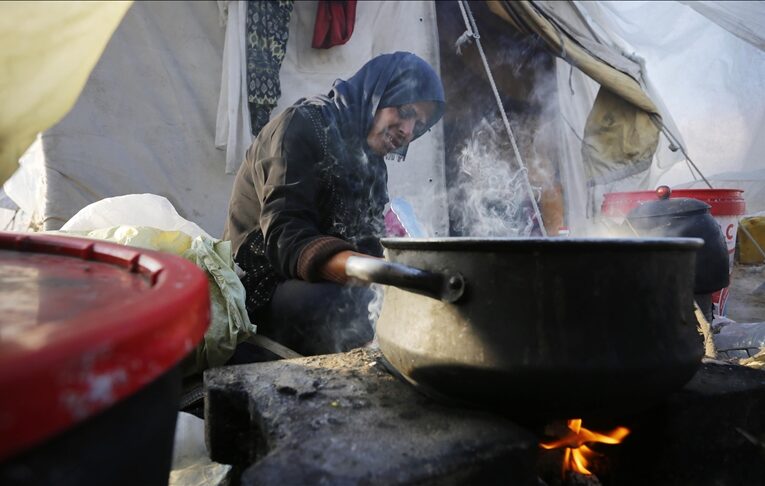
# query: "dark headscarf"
{"type": "Point", "coordinates": [387, 80]}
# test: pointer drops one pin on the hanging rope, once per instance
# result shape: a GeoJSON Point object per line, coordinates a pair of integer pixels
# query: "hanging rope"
{"type": "Point", "coordinates": [467, 35]}
{"type": "Point", "coordinates": [472, 31]}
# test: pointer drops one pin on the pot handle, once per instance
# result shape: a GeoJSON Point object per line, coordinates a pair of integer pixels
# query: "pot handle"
{"type": "Point", "coordinates": [447, 286]}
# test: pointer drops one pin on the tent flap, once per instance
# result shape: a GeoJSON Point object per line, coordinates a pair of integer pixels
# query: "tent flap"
{"type": "Point", "coordinates": [619, 140]}
{"type": "Point", "coordinates": [48, 50]}
{"type": "Point", "coordinates": [567, 43]}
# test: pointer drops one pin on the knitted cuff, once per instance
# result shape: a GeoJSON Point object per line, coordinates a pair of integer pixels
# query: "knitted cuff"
{"type": "Point", "coordinates": [316, 253]}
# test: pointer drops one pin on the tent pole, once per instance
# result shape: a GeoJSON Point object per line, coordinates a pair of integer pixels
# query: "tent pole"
{"type": "Point", "coordinates": [472, 30]}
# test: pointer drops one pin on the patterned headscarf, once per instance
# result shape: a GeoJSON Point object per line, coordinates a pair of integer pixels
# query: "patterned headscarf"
{"type": "Point", "coordinates": [387, 80]}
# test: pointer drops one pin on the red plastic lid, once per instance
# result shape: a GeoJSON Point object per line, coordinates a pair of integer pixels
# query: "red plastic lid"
{"type": "Point", "coordinates": [724, 202]}
{"type": "Point", "coordinates": [83, 325]}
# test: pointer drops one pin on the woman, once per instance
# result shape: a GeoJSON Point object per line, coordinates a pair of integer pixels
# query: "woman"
{"type": "Point", "coordinates": [311, 193]}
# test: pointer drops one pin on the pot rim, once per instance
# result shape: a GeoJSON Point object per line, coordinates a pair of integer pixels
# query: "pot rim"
{"type": "Point", "coordinates": [469, 243]}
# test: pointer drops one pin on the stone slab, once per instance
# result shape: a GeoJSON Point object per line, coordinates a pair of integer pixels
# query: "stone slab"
{"type": "Point", "coordinates": [344, 419]}
{"type": "Point", "coordinates": [711, 432]}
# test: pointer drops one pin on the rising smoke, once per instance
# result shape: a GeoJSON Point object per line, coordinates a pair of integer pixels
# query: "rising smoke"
{"type": "Point", "coordinates": [492, 198]}
{"type": "Point", "coordinates": [492, 194]}
{"type": "Point", "coordinates": [488, 194]}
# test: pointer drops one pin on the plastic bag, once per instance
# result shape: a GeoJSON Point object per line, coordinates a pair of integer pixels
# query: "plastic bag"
{"type": "Point", "coordinates": [736, 340]}
{"type": "Point", "coordinates": [191, 463]}
{"type": "Point", "coordinates": [130, 220]}
{"type": "Point", "coordinates": [230, 324]}
{"type": "Point", "coordinates": [132, 210]}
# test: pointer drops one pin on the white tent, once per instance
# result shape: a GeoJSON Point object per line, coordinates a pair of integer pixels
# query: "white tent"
{"type": "Point", "coordinates": [707, 59]}
{"type": "Point", "coordinates": [146, 119]}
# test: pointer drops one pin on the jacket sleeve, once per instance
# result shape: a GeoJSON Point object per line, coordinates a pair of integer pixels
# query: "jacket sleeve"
{"type": "Point", "coordinates": [287, 183]}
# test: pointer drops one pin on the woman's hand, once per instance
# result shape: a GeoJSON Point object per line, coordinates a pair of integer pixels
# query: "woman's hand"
{"type": "Point", "coordinates": [334, 268]}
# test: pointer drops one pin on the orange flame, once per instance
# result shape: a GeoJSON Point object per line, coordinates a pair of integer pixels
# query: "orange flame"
{"type": "Point", "coordinates": [577, 455]}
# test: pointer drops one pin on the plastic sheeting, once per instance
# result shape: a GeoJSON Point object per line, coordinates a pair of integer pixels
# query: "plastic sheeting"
{"type": "Point", "coordinates": [740, 340]}
{"type": "Point", "coordinates": [706, 78]}
{"type": "Point", "coordinates": [191, 462]}
{"type": "Point", "coordinates": [132, 210]}
{"type": "Point", "coordinates": [47, 50]}
{"type": "Point", "coordinates": [576, 95]}
{"type": "Point", "coordinates": [23, 193]}
{"type": "Point", "coordinates": [150, 221]}
{"type": "Point", "coordinates": [710, 80]}
{"type": "Point", "coordinates": [745, 20]}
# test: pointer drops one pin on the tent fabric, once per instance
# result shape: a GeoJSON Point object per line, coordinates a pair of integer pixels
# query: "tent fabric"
{"type": "Point", "coordinates": [745, 20]}
{"type": "Point", "coordinates": [569, 37]}
{"type": "Point", "coordinates": [710, 81]}
{"type": "Point", "coordinates": [706, 78]}
{"type": "Point", "coordinates": [146, 119]}
{"type": "Point", "coordinates": [575, 97]}
{"type": "Point", "coordinates": [576, 94]}
{"type": "Point", "coordinates": [608, 31]}
{"type": "Point", "coordinates": [47, 51]}
{"type": "Point", "coordinates": [487, 194]}
{"type": "Point", "coordinates": [619, 140]}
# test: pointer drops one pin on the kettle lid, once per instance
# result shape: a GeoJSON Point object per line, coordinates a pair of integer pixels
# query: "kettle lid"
{"type": "Point", "coordinates": [664, 206]}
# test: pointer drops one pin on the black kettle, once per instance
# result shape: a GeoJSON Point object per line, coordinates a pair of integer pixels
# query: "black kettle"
{"type": "Point", "coordinates": [687, 217]}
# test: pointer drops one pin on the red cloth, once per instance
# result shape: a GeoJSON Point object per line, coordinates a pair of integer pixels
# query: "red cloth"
{"type": "Point", "coordinates": [334, 23]}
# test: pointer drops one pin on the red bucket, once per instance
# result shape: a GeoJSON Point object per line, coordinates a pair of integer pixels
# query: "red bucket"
{"type": "Point", "coordinates": [91, 336]}
{"type": "Point", "coordinates": [727, 207]}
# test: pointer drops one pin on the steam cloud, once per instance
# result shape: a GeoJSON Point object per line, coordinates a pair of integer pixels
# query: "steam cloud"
{"type": "Point", "coordinates": [488, 194]}
{"type": "Point", "coordinates": [492, 197]}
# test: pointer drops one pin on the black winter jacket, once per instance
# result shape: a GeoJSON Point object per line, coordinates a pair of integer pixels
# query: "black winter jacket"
{"type": "Point", "coordinates": [302, 194]}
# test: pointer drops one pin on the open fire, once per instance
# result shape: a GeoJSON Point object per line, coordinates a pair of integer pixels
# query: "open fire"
{"type": "Point", "coordinates": [577, 456]}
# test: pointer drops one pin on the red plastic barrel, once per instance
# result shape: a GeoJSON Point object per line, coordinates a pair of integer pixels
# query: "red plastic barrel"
{"type": "Point", "coordinates": [724, 202]}
{"type": "Point", "coordinates": [84, 325]}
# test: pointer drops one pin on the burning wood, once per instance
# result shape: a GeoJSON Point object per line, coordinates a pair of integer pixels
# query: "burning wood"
{"type": "Point", "coordinates": [705, 329]}
{"type": "Point", "coordinates": [577, 455]}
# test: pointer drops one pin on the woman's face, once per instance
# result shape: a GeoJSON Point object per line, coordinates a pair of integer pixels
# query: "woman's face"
{"type": "Point", "coordinates": [396, 126]}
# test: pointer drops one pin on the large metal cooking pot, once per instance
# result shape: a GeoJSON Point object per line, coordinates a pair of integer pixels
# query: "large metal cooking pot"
{"type": "Point", "coordinates": [552, 327]}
